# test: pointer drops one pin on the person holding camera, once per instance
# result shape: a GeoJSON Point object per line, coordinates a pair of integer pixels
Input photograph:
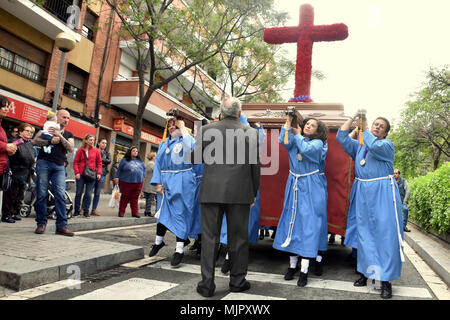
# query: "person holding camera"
{"type": "Point", "coordinates": [175, 183]}
{"type": "Point", "coordinates": [300, 224]}
{"type": "Point", "coordinates": [374, 225]}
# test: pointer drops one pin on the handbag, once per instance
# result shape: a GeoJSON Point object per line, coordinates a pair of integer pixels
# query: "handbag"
{"type": "Point", "coordinates": [6, 178]}
{"type": "Point", "coordinates": [88, 173]}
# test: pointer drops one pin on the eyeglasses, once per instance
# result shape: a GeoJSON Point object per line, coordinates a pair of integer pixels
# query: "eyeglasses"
{"type": "Point", "coordinates": [27, 130]}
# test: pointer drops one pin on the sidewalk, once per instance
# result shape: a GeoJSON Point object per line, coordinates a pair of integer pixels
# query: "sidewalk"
{"type": "Point", "coordinates": [29, 260]}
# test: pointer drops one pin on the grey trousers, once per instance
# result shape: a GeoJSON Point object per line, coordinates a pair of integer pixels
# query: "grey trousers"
{"type": "Point", "coordinates": [237, 223]}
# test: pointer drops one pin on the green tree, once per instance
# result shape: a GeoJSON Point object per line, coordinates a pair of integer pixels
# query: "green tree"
{"type": "Point", "coordinates": [422, 139]}
{"type": "Point", "coordinates": [169, 38]}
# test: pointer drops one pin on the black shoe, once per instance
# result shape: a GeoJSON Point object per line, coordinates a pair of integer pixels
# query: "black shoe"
{"type": "Point", "coordinates": [290, 273]}
{"type": "Point", "coordinates": [261, 234]}
{"type": "Point", "coordinates": [195, 246]}
{"type": "Point", "coordinates": [273, 234]}
{"type": "Point", "coordinates": [332, 238]}
{"type": "Point", "coordinates": [266, 233]}
{"type": "Point", "coordinates": [8, 220]}
{"type": "Point", "coordinates": [245, 287]}
{"type": "Point", "coordinates": [226, 266]}
{"type": "Point", "coordinates": [16, 218]}
{"type": "Point", "coordinates": [361, 282]}
{"type": "Point", "coordinates": [135, 216]}
{"type": "Point", "coordinates": [176, 259]}
{"type": "Point", "coordinates": [386, 290]}
{"type": "Point", "coordinates": [86, 216]}
{"type": "Point", "coordinates": [318, 270]}
{"type": "Point", "coordinates": [155, 249]}
{"type": "Point", "coordinates": [204, 294]}
{"type": "Point", "coordinates": [303, 280]}
{"type": "Point", "coordinates": [406, 229]}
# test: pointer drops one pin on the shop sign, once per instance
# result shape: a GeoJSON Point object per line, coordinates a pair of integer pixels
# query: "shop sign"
{"type": "Point", "coordinates": [120, 125]}
{"type": "Point", "coordinates": [25, 112]}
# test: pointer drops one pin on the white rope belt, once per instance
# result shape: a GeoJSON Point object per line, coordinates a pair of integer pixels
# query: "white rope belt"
{"type": "Point", "coordinates": [294, 206]}
{"type": "Point", "coordinates": [157, 214]}
{"type": "Point", "coordinates": [402, 257]}
{"type": "Point", "coordinates": [175, 171]}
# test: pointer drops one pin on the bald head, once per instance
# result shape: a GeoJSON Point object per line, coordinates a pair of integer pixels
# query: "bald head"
{"type": "Point", "coordinates": [231, 107]}
{"type": "Point", "coordinates": [63, 117]}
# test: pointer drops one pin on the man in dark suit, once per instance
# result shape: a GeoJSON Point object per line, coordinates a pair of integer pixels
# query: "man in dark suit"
{"type": "Point", "coordinates": [229, 150]}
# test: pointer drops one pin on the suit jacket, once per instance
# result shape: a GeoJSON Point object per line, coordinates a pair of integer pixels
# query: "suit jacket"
{"type": "Point", "coordinates": [229, 150]}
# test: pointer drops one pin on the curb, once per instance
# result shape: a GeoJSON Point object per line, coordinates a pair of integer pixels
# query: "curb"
{"type": "Point", "coordinates": [431, 251]}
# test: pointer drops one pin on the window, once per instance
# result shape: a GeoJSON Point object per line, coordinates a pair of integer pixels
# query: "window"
{"type": "Point", "coordinates": [20, 65]}
{"type": "Point", "coordinates": [87, 30]}
{"type": "Point", "coordinates": [75, 83]}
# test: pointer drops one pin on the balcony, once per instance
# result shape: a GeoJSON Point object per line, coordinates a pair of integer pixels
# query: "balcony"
{"type": "Point", "coordinates": [48, 19]}
{"type": "Point", "coordinates": [125, 95]}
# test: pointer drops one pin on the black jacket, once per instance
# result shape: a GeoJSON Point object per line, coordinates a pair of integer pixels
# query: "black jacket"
{"type": "Point", "coordinates": [21, 162]}
{"type": "Point", "coordinates": [231, 174]}
{"type": "Point", "coordinates": [106, 160]}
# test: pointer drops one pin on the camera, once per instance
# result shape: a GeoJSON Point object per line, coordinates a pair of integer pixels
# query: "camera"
{"type": "Point", "coordinates": [290, 111]}
{"type": "Point", "coordinates": [297, 118]}
{"type": "Point", "coordinates": [173, 112]}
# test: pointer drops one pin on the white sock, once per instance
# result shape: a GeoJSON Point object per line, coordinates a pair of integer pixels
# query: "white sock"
{"type": "Point", "coordinates": [180, 246]}
{"type": "Point", "coordinates": [293, 260]}
{"type": "Point", "coordinates": [159, 240]}
{"type": "Point", "coordinates": [226, 257]}
{"type": "Point", "coordinates": [305, 266]}
{"type": "Point", "coordinates": [319, 258]}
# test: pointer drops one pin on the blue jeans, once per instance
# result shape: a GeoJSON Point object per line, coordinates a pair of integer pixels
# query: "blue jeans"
{"type": "Point", "coordinates": [47, 171]}
{"type": "Point", "coordinates": [98, 185]}
{"type": "Point", "coordinates": [80, 184]}
{"type": "Point", "coordinates": [405, 214]}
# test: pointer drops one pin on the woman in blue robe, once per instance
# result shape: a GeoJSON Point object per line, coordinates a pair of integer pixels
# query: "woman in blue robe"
{"type": "Point", "coordinates": [374, 224]}
{"type": "Point", "coordinates": [175, 183]}
{"type": "Point", "coordinates": [298, 231]}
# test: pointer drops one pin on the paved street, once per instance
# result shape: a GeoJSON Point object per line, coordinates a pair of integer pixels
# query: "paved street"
{"type": "Point", "coordinates": [154, 279]}
{"type": "Point", "coordinates": [149, 278]}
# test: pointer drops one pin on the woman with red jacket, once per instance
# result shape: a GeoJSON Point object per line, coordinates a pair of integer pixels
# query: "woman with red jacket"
{"type": "Point", "coordinates": [90, 156]}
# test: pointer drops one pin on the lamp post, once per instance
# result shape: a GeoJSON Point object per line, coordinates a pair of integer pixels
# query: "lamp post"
{"type": "Point", "coordinates": [65, 42]}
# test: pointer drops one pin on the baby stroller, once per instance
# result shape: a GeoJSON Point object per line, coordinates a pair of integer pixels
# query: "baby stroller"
{"type": "Point", "coordinates": [30, 199]}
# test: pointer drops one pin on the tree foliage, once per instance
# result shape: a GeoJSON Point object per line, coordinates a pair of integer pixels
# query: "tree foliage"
{"type": "Point", "coordinates": [168, 38]}
{"type": "Point", "coordinates": [422, 139]}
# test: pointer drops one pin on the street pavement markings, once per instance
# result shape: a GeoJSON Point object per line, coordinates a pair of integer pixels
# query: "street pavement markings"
{"type": "Point", "coordinates": [79, 233]}
{"type": "Point", "coordinates": [438, 287]}
{"type": "Point", "coordinates": [142, 262]}
{"type": "Point", "coordinates": [41, 290]}
{"type": "Point", "coordinates": [131, 289]}
{"type": "Point", "coordinates": [401, 291]}
{"type": "Point", "coordinates": [248, 296]}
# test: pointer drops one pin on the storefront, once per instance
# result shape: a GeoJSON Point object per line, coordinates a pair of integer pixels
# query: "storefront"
{"type": "Point", "coordinates": [124, 134]}
{"type": "Point", "coordinates": [25, 110]}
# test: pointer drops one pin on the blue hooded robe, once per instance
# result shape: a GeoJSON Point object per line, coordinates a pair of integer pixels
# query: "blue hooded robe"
{"type": "Point", "coordinates": [374, 224]}
{"type": "Point", "coordinates": [301, 220]}
{"type": "Point", "coordinates": [176, 174]}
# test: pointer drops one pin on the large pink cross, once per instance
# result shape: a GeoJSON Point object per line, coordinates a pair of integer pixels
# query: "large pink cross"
{"type": "Point", "coordinates": [305, 34]}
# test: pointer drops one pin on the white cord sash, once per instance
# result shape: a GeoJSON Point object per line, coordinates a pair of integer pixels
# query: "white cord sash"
{"type": "Point", "coordinates": [158, 213]}
{"type": "Point", "coordinates": [400, 240]}
{"type": "Point", "coordinates": [294, 206]}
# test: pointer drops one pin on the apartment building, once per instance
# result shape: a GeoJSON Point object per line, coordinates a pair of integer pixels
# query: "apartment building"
{"type": "Point", "coordinates": [99, 83]}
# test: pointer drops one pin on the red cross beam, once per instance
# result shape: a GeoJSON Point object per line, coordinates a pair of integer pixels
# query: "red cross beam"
{"type": "Point", "coordinates": [305, 34]}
